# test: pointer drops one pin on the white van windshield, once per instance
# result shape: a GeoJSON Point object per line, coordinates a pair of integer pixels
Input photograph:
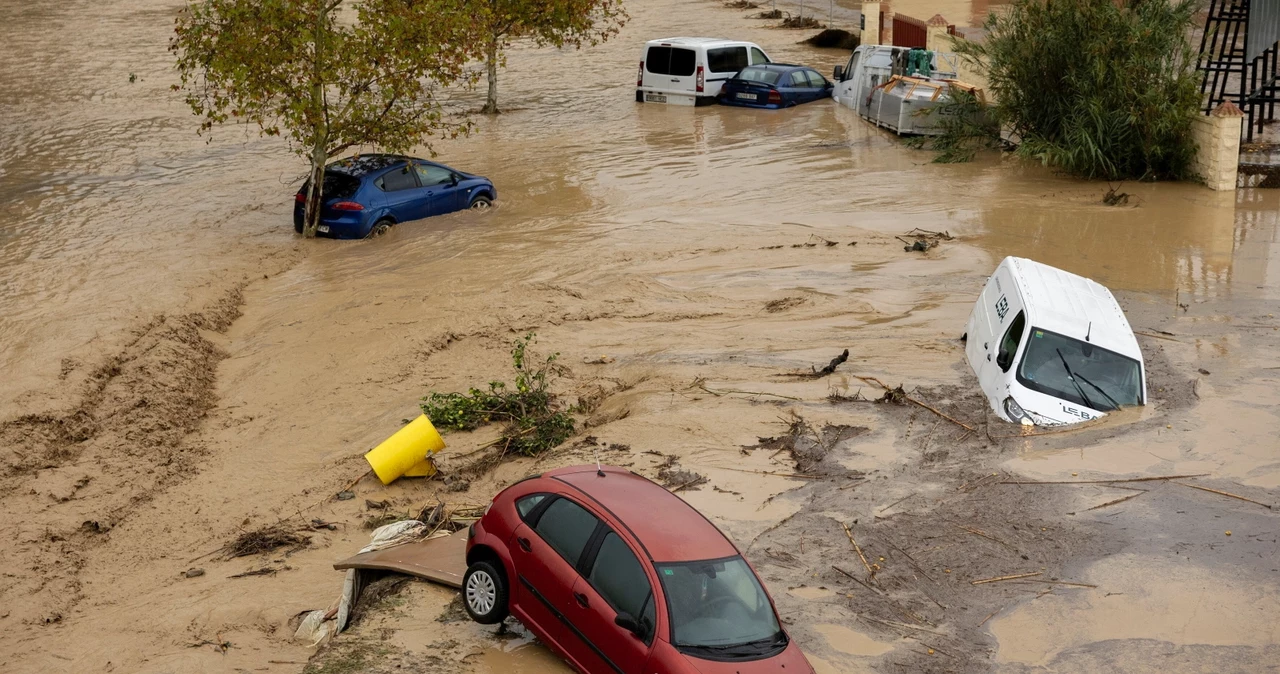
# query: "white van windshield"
{"type": "Point", "coordinates": [1079, 372]}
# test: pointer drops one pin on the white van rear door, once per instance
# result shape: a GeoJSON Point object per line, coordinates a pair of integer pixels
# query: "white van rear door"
{"type": "Point", "coordinates": [669, 69]}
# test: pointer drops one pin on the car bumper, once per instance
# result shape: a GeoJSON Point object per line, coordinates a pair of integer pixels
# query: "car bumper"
{"type": "Point", "coordinates": [748, 104]}
{"type": "Point", "coordinates": [353, 226]}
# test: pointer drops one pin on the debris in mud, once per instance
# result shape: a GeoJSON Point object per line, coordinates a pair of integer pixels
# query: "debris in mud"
{"type": "Point", "coordinates": [769, 14]}
{"type": "Point", "coordinates": [834, 38]}
{"type": "Point", "coordinates": [831, 367]}
{"type": "Point", "coordinates": [264, 571]}
{"type": "Point", "coordinates": [193, 573]}
{"type": "Point", "coordinates": [782, 304]}
{"type": "Point", "coordinates": [808, 446]}
{"type": "Point", "coordinates": [675, 479]}
{"type": "Point", "coordinates": [800, 22]}
{"type": "Point", "coordinates": [535, 420]}
{"type": "Point", "coordinates": [454, 483]}
{"type": "Point", "coordinates": [894, 396]}
{"type": "Point", "coordinates": [453, 612]}
{"type": "Point", "coordinates": [1114, 198]}
{"type": "Point", "coordinates": [265, 539]}
{"type": "Point", "coordinates": [345, 495]}
{"type": "Point", "coordinates": [602, 360]}
{"type": "Point", "coordinates": [376, 594]}
{"type": "Point", "coordinates": [741, 4]}
{"type": "Point", "coordinates": [923, 240]}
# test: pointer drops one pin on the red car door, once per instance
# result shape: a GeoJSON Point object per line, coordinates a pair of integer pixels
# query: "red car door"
{"type": "Point", "coordinates": [545, 553]}
{"type": "Point", "coordinates": [615, 584]}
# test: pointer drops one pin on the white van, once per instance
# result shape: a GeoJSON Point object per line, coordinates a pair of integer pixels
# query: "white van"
{"type": "Point", "coordinates": [1052, 348]}
{"type": "Point", "coordinates": [691, 70]}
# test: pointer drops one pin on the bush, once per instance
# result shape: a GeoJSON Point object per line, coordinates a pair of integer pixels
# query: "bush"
{"type": "Point", "coordinates": [533, 416]}
{"type": "Point", "coordinates": [1099, 88]}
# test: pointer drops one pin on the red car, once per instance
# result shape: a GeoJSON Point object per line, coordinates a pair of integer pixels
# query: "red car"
{"type": "Point", "coordinates": [619, 576]}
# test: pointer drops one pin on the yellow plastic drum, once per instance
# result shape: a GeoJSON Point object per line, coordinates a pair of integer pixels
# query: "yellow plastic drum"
{"type": "Point", "coordinates": [403, 452]}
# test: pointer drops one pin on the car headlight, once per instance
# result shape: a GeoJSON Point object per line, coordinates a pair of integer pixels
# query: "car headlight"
{"type": "Point", "coordinates": [1016, 413]}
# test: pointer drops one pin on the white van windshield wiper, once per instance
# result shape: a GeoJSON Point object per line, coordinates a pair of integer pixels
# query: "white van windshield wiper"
{"type": "Point", "coordinates": [1071, 375]}
{"type": "Point", "coordinates": [1115, 405]}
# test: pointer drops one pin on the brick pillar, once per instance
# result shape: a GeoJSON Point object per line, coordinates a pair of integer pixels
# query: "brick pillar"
{"type": "Point", "coordinates": [871, 22]}
{"type": "Point", "coordinates": [935, 34]}
{"type": "Point", "coordinates": [1217, 138]}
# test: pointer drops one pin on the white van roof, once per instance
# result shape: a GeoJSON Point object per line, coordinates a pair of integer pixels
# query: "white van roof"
{"type": "Point", "coordinates": [1074, 306]}
{"type": "Point", "coordinates": [697, 41]}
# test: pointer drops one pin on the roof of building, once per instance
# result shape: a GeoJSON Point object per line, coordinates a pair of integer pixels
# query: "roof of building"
{"type": "Point", "coordinates": [669, 529]}
{"type": "Point", "coordinates": [1074, 306]}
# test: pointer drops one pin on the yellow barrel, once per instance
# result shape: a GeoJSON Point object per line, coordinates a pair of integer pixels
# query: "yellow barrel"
{"type": "Point", "coordinates": [403, 451]}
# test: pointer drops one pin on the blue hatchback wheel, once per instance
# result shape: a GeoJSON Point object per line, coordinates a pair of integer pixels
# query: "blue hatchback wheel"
{"type": "Point", "coordinates": [380, 227]}
{"type": "Point", "coordinates": [480, 203]}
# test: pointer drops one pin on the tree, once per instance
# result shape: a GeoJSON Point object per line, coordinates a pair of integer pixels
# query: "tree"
{"type": "Point", "coordinates": [559, 23]}
{"type": "Point", "coordinates": [328, 75]}
{"type": "Point", "coordinates": [1099, 88]}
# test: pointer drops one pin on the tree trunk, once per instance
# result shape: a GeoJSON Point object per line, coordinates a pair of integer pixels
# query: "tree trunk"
{"type": "Point", "coordinates": [491, 60]}
{"type": "Point", "coordinates": [319, 154]}
{"type": "Point", "coordinates": [311, 212]}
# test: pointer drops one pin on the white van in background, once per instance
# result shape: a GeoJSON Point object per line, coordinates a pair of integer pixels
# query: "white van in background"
{"type": "Point", "coordinates": [1052, 348]}
{"type": "Point", "coordinates": [691, 70]}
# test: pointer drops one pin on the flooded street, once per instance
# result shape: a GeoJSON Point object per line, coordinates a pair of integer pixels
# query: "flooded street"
{"type": "Point", "coordinates": [179, 368]}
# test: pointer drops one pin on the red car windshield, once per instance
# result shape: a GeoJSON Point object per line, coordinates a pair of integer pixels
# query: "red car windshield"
{"type": "Point", "coordinates": [718, 608]}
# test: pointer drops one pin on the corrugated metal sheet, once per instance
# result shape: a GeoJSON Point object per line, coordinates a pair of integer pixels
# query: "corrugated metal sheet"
{"type": "Point", "coordinates": [1264, 26]}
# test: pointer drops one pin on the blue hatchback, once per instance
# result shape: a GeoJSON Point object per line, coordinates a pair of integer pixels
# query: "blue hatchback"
{"type": "Point", "coordinates": [365, 195]}
{"type": "Point", "coordinates": [774, 85]}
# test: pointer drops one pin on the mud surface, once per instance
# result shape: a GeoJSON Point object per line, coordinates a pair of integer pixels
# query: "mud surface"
{"type": "Point", "coordinates": [179, 370]}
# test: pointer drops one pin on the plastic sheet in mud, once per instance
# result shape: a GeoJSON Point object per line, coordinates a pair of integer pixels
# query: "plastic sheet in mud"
{"type": "Point", "coordinates": [441, 560]}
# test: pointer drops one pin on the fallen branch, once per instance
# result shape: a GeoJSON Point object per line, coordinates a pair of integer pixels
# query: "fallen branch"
{"type": "Point", "coordinates": [1059, 582]}
{"type": "Point", "coordinates": [978, 532]}
{"type": "Point", "coordinates": [1223, 493]}
{"type": "Point", "coordinates": [877, 382]}
{"type": "Point", "coordinates": [1155, 336]}
{"type": "Point", "coordinates": [770, 472]}
{"type": "Point", "coordinates": [898, 501]}
{"type": "Point", "coordinates": [1119, 500]}
{"type": "Point", "coordinates": [1002, 578]}
{"type": "Point", "coordinates": [703, 386]}
{"type": "Point", "coordinates": [854, 578]}
{"type": "Point", "coordinates": [1118, 481]}
{"type": "Point", "coordinates": [848, 532]}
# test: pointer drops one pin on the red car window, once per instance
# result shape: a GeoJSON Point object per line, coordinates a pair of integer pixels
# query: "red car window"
{"type": "Point", "coordinates": [617, 575]}
{"type": "Point", "coordinates": [566, 527]}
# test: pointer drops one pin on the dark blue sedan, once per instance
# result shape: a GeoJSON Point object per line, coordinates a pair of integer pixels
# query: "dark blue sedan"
{"type": "Point", "coordinates": [365, 195]}
{"type": "Point", "coordinates": [774, 85]}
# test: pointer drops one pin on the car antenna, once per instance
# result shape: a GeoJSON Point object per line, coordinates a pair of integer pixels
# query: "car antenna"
{"type": "Point", "coordinates": [599, 470]}
{"type": "Point", "coordinates": [1089, 331]}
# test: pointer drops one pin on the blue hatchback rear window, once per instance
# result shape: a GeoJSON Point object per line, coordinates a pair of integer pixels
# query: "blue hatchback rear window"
{"type": "Point", "coordinates": [762, 75]}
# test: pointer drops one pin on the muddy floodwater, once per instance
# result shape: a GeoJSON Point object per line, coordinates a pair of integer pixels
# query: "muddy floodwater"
{"type": "Point", "coordinates": [178, 368]}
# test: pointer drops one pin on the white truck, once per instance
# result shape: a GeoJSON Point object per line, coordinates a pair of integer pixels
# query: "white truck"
{"type": "Point", "coordinates": [1051, 348]}
{"type": "Point", "coordinates": [897, 88]}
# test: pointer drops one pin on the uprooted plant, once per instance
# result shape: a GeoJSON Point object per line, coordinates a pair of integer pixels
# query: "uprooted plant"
{"type": "Point", "coordinates": [534, 417]}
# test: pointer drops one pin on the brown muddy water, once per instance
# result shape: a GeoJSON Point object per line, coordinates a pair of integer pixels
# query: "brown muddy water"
{"type": "Point", "coordinates": [179, 368]}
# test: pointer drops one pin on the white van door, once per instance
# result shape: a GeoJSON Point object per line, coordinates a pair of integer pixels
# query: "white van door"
{"type": "Point", "coordinates": [669, 74]}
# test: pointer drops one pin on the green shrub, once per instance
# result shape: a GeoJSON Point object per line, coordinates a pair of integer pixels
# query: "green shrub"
{"type": "Point", "coordinates": [533, 416]}
{"type": "Point", "coordinates": [1099, 88]}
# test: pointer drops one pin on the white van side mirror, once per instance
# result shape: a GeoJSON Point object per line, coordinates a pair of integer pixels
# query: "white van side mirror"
{"type": "Point", "coordinates": [838, 74]}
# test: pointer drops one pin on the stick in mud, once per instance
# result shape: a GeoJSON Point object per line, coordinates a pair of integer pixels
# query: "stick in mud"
{"type": "Point", "coordinates": [849, 533]}
{"type": "Point", "coordinates": [1223, 493]}
{"type": "Point", "coordinates": [1119, 500]}
{"type": "Point", "coordinates": [1119, 481]}
{"type": "Point", "coordinates": [1003, 578]}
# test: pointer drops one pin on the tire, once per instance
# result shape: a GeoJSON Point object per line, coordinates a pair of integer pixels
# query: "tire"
{"type": "Point", "coordinates": [480, 203]}
{"type": "Point", "coordinates": [484, 593]}
{"type": "Point", "coordinates": [380, 227]}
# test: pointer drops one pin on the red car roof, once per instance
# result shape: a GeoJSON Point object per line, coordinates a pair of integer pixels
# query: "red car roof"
{"type": "Point", "coordinates": [668, 528]}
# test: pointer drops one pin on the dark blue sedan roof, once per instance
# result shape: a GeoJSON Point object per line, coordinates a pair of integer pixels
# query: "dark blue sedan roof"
{"type": "Point", "coordinates": [362, 164]}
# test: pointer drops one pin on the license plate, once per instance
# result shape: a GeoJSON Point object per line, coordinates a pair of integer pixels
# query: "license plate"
{"type": "Point", "coordinates": [323, 229]}
{"type": "Point", "coordinates": [655, 98]}
{"type": "Point", "coordinates": [747, 97]}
